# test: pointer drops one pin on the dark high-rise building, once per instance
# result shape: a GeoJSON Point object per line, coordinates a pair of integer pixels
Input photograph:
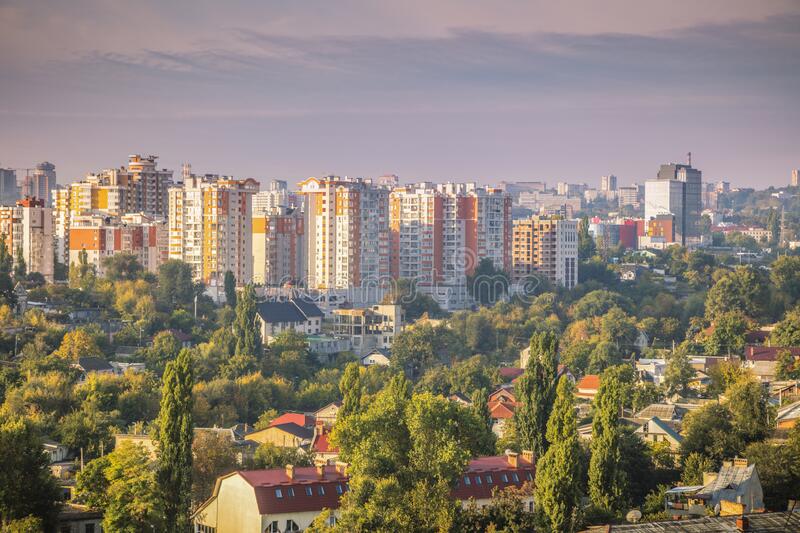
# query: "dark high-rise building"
{"type": "Point", "coordinates": [9, 192]}
{"type": "Point", "coordinates": [687, 183]}
{"type": "Point", "coordinates": [40, 183]}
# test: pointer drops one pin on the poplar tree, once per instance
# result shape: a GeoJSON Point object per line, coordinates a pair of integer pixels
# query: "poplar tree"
{"type": "Point", "coordinates": [607, 479]}
{"type": "Point", "coordinates": [248, 336]}
{"type": "Point", "coordinates": [350, 388]}
{"type": "Point", "coordinates": [535, 393]}
{"type": "Point", "coordinates": [230, 289]}
{"type": "Point", "coordinates": [558, 471]}
{"type": "Point", "coordinates": [175, 435]}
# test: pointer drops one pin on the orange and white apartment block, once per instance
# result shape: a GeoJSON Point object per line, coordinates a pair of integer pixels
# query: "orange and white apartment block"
{"type": "Point", "coordinates": [278, 246]}
{"type": "Point", "coordinates": [210, 226]}
{"type": "Point", "coordinates": [28, 227]}
{"type": "Point", "coordinates": [547, 246]}
{"type": "Point", "coordinates": [439, 233]}
{"type": "Point", "coordinates": [346, 232]}
{"type": "Point", "coordinates": [104, 236]}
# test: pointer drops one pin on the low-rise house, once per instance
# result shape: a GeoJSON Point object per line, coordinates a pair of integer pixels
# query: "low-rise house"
{"type": "Point", "coordinates": [74, 518]}
{"type": "Point", "coordinates": [656, 430]}
{"type": "Point", "coordinates": [460, 399]}
{"type": "Point", "coordinates": [369, 328]}
{"type": "Point", "coordinates": [286, 435]}
{"type": "Point", "coordinates": [504, 394]}
{"type": "Point", "coordinates": [788, 416]}
{"type": "Point", "coordinates": [666, 412]}
{"type": "Point", "coordinates": [501, 413]}
{"type": "Point", "coordinates": [321, 444]}
{"type": "Point", "coordinates": [736, 488]}
{"type": "Point", "coordinates": [378, 356]}
{"type": "Point", "coordinates": [326, 346]}
{"type": "Point", "coordinates": [289, 499]}
{"type": "Point", "coordinates": [588, 386]}
{"type": "Point", "coordinates": [300, 315]}
{"type": "Point", "coordinates": [55, 451]}
{"type": "Point", "coordinates": [755, 523]}
{"type": "Point", "coordinates": [510, 373]}
{"type": "Point", "coordinates": [92, 365]}
{"type": "Point", "coordinates": [327, 414]}
{"type": "Point", "coordinates": [121, 367]}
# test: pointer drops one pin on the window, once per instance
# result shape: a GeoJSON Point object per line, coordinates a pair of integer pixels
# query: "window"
{"type": "Point", "coordinates": [88, 528]}
{"type": "Point", "coordinates": [478, 480]}
{"type": "Point", "coordinates": [339, 489]}
{"type": "Point", "coordinates": [504, 477]}
{"type": "Point", "coordinates": [278, 493]}
{"type": "Point", "coordinates": [290, 491]}
{"type": "Point", "coordinates": [529, 476]}
{"type": "Point", "coordinates": [321, 490]}
{"type": "Point", "coordinates": [489, 479]}
{"type": "Point", "coordinates": [515, 477]}
{"type": "Point", "coordinates": [467, 481]}
{"type": "Point", "coordinates": [309, 491]}
{"type": "Point", "coordinates": [272, 528]}
{"type": "Point", "coordinates": [291, 525]}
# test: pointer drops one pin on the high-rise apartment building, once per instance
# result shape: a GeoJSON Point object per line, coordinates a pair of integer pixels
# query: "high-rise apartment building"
{"type": "Point", "coordinates": [61, 222]}
{"type": "Point", "coordinates": [9, 192]}
{"type": "Point", "coordinates": [628, 196]}
{"type": "Point", "coordinates": [101, 236]}
{"type": "Point", "coordinates": [347, 232]}
{"type": "Point", "coordinates": [40, 182]}
{"type": "Point", "coordinates": [210, 227]}
{"type": "Point", "coordinates": [278, 246]}
{"type": "Point", "coordinates": [795, 177]}
{"type": "Point", "coordinates": [608, 183]}
{"type": "Point", "coordinates": [678, 191]}
{"type": "Point", "coordinates": [28, 227]}
{"type": "Point", "coordinates": [274, 195]}
{"type": "Point", "coordinates": [440, 233]}
{"type": "Point", "coordinates": [147, 186]}
{"type": "Point", "coordinates": [546, 246]}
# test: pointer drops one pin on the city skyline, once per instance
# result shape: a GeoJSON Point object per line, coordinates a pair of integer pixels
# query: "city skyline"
{"type": "Point", "coordinates": [456, 92]}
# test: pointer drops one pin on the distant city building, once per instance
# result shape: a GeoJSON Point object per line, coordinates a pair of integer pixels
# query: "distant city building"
{"type": "Point", "coordinates": [40, 182]}
{"type": "Point", "coordinates": [547, 246]}
{"type": "Point", "coordinates": [677, 191]}
{"type": "Point", "coordinates": [347, 232]}
{"type": "Point", "coordinates": [795, 177]}
{"type": "Point", "coordinates": [608, 183]}
{"type": "Point", "coordinates": [369, 329]}
{"type": "Point", "coordinates": [274, 195]}
{"type": "Point", "coordinates": [27, 227]}
{"type": "Point", "coordinates": [629, 196]}
{"type": "Point", "coordinates": [9, 192]}
{"type": "Point", "coordinates": [571, 189]}
{"type": "Point", "coordinates": [278, 246]}
{"type": "Point", "coordinates": [210, 227]}
{"type": "Point", "coordinates": [101, 236]}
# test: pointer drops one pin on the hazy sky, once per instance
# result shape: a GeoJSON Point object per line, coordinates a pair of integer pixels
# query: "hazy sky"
{"type": "Point", "coordinates": [427, 89]}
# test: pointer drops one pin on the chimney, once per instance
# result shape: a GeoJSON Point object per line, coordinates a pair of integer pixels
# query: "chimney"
{"type": "Point", "coordinates": [341, 468]}
{"type": "Point", "coordinates": [740, 462]}
{"type": "Point", "coordinates": [527, 455]}
{"type": "Point", "coordinates": [290, 471]}
{"type": "Point", "coordinates": [743, 523]}
{"type": "Point", "coordinates": [320, 470]}
{"type": "Point", "coordinates": [513, 458]}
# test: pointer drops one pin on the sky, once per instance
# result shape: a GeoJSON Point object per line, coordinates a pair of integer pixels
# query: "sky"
{"type": "Point", "coordinates": [428, 90]}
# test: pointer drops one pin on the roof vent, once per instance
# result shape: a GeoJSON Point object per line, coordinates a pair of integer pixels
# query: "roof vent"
{"type": "Point", "coordinates": [290, 471]}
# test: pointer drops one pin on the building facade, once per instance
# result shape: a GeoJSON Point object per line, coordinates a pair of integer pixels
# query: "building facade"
{"type": "Point", "coordinates": [27, 227]}
{"type": "Point", "coordinates": [9, 192]}
{"type": "Point", "coordinates": [278, 246]}
{"type": "Point", "coordinates": [678, 190]}
{"type": "Point", "coordinates": [546, 246]}
{"type": "Point", "coordinates": [210, 227]}
{"type": "Point", "coordinates": [40, 182]}
{"type": "Point", "coordinates": [347, 233]}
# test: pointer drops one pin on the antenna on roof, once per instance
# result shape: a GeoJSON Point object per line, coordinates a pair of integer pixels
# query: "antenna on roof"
{"type": "Point", "coordinates": [690, 158]}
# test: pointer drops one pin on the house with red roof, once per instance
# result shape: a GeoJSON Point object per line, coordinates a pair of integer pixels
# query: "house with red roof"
{"type": "Point", "coordinates": [321, 444]}
{"type": "Point", "coordinates": [289, 499]}
{"type": "Point", "coordinates": [588, 386]}
{"type": "Point", "coordinates": [301, 419]}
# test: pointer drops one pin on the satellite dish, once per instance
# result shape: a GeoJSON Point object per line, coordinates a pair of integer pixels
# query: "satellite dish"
{"type": "Point", "coordinates": [634, 515]}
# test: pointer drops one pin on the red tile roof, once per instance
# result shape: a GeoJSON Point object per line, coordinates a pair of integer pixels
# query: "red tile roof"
{"type": "Point", "coordinates": [509, 373]}
{"type": "Point", "coordinates": [293, 418]}
{"type": "Point", "coordinates": [768, 353]}
{"type": "Point", "coordinates": [589, 382]}
{"type": "Point", "coordinates": [501, 409]}
{"type": "Point", "coordinates": [322, 444]}
{"type": "Point", "coordinates": [487, 473]}
{"type": "Point", "coordinates": [265, 483]}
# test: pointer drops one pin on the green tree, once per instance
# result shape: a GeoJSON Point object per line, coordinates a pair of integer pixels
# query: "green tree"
{"type": "Point", "coordinates": [535, 393]}
{"type": "Point", "coordinates": [678, 373]}
{"type": "Point", "coordinates": [743, 289]}
{"type": "Point", "coordinates": [487, 284]}
{"type": "Point", "coordinates": [785, 275]}
{"type": "Point", "coordinates": [787, 331]}
{"type": "Point", "coordinates": [133, 501]}
{"type": "Point", "coordinates": [710, 432]}
{"type": "Point", "coordinates": [26, 486]}
{"type": "Point", "coordinates": [175, 286]}
{"type": "Point", "coordinates": [415, 303]}
{"type": "Point", "coordinates": [694, 466]}
{"type": "Point", "coordinates": [82, 275]}
{"type": "Point", "coordinates": [122, 267]}
{"type": "Point", "coordinates": [728, 334]}
{"type": "Point", "coordinates": [480, 404]}
{"type": "Point", "coordinates": [607, 480]}
{"type": "Point", "coordinates": [752, 415]}
{"type": "Point", "coordinates": [245, 326]}
{"type": "Point", "coordinates": [213, 455]}
{"type": "Point", "coordinates": [7, 295]}
{"type": "Point", "coordinates": [586, 245]}
{"type": "Point", "coordinates": [20, 268]}
{"type": "Point", "coordinates": [350, 389]}
{"type": "Point", "coordinates": [175, 432]}
{"type": "Point", "coordinates": [164, 349]}
{"type": "Point", "coordinates": [230, 289]}
{"type": "Point", "coordinates": [778, 470]}
{"type": "Point", "coordinates": [558, 471]}
{"type": "Point", "coordinates": [787, 366]}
